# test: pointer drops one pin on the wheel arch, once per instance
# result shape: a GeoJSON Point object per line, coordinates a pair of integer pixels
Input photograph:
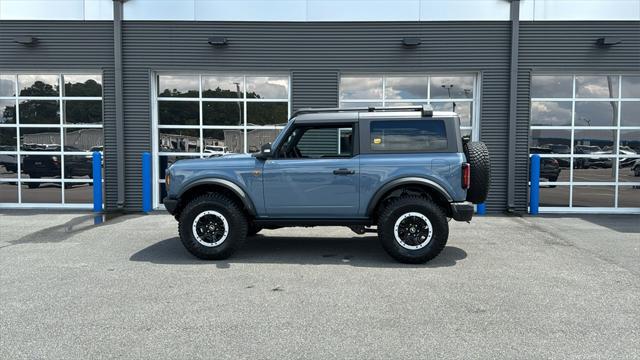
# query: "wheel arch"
{"type": "Point", "coordinates": [217, 185]}
{"type": "Point", "coordinates": [435, 190]}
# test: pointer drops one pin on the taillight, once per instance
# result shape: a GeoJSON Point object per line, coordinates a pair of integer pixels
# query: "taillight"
{"type": "Point", "coordinates": [466, 175]}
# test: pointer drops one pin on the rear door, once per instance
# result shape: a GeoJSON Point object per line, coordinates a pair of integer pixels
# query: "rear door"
{"type": "Point", "coordinates": [315, 174]}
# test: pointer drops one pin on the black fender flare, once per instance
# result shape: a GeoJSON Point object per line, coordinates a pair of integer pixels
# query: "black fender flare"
{"type": "Point", "coordinates": [412, 180]}
{"type": "Point", "coordinates": [229, 185]}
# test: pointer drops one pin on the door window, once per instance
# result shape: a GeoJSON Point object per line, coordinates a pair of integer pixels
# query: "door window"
{"type": "Point", "coordinates": [319, 143]}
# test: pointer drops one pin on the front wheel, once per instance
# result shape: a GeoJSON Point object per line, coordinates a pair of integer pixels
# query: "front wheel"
{"type": "Point", "coordinates": [212, 227]}
{"type": "Point", "coordinates": [413, 229]}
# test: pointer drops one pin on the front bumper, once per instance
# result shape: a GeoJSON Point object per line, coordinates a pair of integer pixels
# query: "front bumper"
{"type": "Point", "coordinates": [170, 204]}
{"type": "Point", "coordinates": [462, 211]}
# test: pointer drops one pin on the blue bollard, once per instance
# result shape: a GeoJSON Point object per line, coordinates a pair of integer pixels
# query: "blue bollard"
{"type": "Point", "coordinates": [534, 189]}
{"type": "Point", "coordinates": [481, 209]}
{"type": "Point", "coordinates": [146, 182]}
{"type": "Point", "coordinates": [97, 181]}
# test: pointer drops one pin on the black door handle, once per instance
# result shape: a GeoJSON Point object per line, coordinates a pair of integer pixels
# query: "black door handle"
{"type": "Point", "coordinates": [344, 172]}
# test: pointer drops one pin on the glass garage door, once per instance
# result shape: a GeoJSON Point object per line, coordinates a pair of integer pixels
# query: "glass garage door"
{"type": "Point", "coordinates": [204, 115]}
{"type": "Point", "coordinates": [446, 92]}
{"type": "Point", "coordinates": [49, 126]}
{"type": "Point", "coordinates": [586, 129]}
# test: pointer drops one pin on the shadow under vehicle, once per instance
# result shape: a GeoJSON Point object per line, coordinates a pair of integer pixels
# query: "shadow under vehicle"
{"type": "Point", "coordinates": [49, 165]}
{"type": "Point", "coordinates": [549, 167]}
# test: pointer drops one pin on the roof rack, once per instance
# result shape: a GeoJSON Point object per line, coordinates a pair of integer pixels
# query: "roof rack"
{"type": "Point", "coordinates": [426, 110]}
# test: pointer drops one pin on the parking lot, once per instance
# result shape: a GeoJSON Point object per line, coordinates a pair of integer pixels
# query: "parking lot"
{"type": "Point", "coordinates": [504, 287]}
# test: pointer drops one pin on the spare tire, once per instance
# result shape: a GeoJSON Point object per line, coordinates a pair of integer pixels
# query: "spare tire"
{"type": "Point", "coordinates": [478, 158]}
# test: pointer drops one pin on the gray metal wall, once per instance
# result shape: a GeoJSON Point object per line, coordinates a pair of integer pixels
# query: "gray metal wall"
{"type": "Point", "coordinates": [566, 47]}
{"type": "Point", "coordinates": [68, 46]}
{"type": "Point", "coordinates": [315, 54]}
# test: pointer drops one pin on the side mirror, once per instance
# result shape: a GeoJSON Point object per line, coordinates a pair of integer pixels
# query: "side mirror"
{"type": "Point", "coordinates": [265, 152]}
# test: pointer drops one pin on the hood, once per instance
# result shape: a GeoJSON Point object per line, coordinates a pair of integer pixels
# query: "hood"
{"type": "Point", "coordinates": [230, 160]}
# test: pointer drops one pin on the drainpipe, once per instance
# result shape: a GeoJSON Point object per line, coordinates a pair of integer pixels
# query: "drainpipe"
{"type": "Point", "coordinates": [513, 98]}
{"type": "Point", "coordinates": [117, 53]}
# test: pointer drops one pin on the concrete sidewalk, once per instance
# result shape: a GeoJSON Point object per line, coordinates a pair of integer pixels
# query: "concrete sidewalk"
{"type": "Point", "coordinates": [504, 287]}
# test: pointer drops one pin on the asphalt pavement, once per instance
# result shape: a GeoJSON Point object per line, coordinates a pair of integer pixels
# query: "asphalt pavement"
{"type": "Point", "coordinates": [504, 287]}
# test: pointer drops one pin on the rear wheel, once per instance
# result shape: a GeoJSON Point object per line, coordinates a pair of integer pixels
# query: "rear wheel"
{"type": "Point", "coordinates": [212, 227]}
{"type": "Point", "coordinates": [412, 229]}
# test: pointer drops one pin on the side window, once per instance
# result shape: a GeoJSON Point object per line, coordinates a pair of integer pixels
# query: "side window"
{"type": "Point", "coordinates": [408, 135]}
{"type": "Point", "coordinates": [319, 143]}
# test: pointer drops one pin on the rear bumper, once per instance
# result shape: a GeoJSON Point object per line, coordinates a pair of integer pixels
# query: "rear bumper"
{"type": "Point", "coordinates": [462, 211]}
{"type": "Point", "coordinates": [170, 204]}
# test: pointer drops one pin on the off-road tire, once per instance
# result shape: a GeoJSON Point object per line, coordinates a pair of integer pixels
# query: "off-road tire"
{"type": "Point", "coordinates": [233, 214]}
{"type": "Point", "coordinates": [396, 208]}
{"type": "Point", "coordinates": [478, 158]}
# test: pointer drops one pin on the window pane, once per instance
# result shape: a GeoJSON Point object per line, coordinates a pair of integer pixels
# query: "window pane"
{"type": "Point", "coordinates": [178, 86]}
{"type": "Point", "coordinates": [406, 87]}
{"type": "Point", "coordinates": [82, 112]}
{"type": "Point", "coordinates": [8, 191]}
{"type": "Point", "coordinates": [554, 169]}
{"type": "Point", "coordinates": [78, 166]}
{"type": "Point", "coordinates": [40, 166]}
{"type": "Point", "coordinates": [41, 192]}
{"type": "Point", "coordinates": [629, 196]}
{"type": "Point", "coordinates": [630, 115]}
{"type": "Point", "coordinates": [225, 141]}
{"type": "Point", "coordinates": [408, 135]}
{"type": "Point", "coordinates": [597, 86]}
{"type": "Point", "coordinates": [39, 139]}
{"type": "Point", "coordinates": [222, 113]}
{"type": "Point", "coordinates": [452, 87]}
{"type": "Point", "coordinates": [360, 88]}
{"type": "Point", "coordinates": [272, 113]}
{"type": "Point", "coordinates": [594, 169]}
{"type": "Point", "coordinates": [8, 166]}
{"type": "Point", "coordinates": [223, 87]}
{"type": "Point", "coordinates": [38, 85]}
{"type": "Point", "coordinates": [631, 86]}
{"type": "Point", "coordinates": [548, 138]}
{"type": "Point", "coordinates": [7, 85]}
{"type": "Point", "coordinates": [366, 104]}
{"type": "Point", "coordinates": [78, 139]}
{"type": "Point", "coordinates": [629, 169]}
{"type": "Point", "coordinates": [7, 139]}
{"type": "Point", "coordinates": [82, 85]}
{"type": "Point", "coordinates": [40, 112]}
{"type": "Point", "coordinates": [7, 112]}
{"type": "Point", "coordinates": [258, 137]}
{"type": "Point", "coordinates": [630, 139]}
{"type": "Point", "coordinates": [78, 193]}
{"type": "Point", "coordinates": [463, 109]}
{"type": "Point", "coordinates": [267, 87]}
{"type": "Point", "coordinates": [178, 113]}
{"type": "Point", "coordinates": [179, 140]}
{"type": "Point", "coordinates": [593, 142]}
{"type": "Point", "coordinates": [596, 113]}
{"type": "Point", "coordinates": [551, 113]}
{"type": "Point", "coordinates": [318, 143]}
{"type": "Point", "coordinates": [554, 195]}
{"type": "Point", "coordinates": [165, 161]}
{"type": "Point", "coordinates": [543, 86]}
{"type": "Point", "coordinates": [594, 196]}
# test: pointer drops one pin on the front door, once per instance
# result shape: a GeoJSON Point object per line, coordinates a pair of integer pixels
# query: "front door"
{"type": "Point", "coordinates": [314, 174]}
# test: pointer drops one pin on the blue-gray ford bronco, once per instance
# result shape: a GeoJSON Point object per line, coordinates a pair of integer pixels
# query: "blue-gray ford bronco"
{"type": "Point", "coordinates": [399, 171]}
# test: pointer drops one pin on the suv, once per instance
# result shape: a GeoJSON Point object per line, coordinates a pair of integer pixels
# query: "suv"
{"type": "Point", "coordinates": [403, 170]}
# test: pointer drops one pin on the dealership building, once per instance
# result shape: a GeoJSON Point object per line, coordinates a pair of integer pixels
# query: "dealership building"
{"type": "Point", "coordinates": [197, 78]}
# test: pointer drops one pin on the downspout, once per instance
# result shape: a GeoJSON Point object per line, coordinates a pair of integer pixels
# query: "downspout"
{"type": "Point", "coordinates": [513, 100]}
{"type": "Point", "coordinates": [117, 53]}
